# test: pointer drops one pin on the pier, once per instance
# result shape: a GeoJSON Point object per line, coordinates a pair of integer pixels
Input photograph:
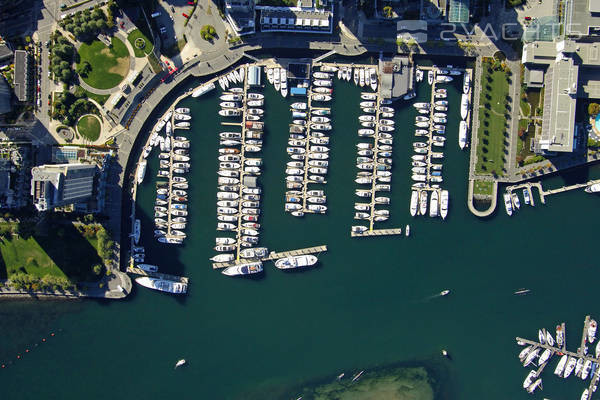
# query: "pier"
{"type": "Point", "coordinates": [543, 193]}
{"type": "Point", "coordinates": [581, 352]}
{"type": "Point", "coordinates": [274, 256]}
{"type": "Point", "coordinates": [377, 232]}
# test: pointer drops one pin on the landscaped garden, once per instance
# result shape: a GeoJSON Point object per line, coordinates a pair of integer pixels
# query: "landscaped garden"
{"type": "Point", "coordinates": [140, 43]}
{"type": "Point", "coordinates": [109, 66]}
{"type": "Point", "coordinates": [483, 188]}
{"type": "Point", "coordinates": [88, 126]}
{"type": "Point", "coordinates": [492, 133]}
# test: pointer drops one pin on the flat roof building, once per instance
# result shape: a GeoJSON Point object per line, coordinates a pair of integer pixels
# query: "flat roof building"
{"type": "Point", "coordinates": [21, 77]}
{"type": "Point", "coordinates": [6, 54]}
{"type": "Point", "coordinates": [61, 184]}
{"type": "Point", "coordinates": [286, 19]}
{"type": "Point", "coordinates": [240, 15]}
{"type": "Point", "coordinates": [396, 77]}
{"type": "Point", "coordinates": [254, 75]}
{"type": "Point", "coordinates": [582, 19]}
{"type": "Point", "coordinates": [567, 70]}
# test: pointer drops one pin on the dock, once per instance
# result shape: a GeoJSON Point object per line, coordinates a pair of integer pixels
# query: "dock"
{"type": "Point", "coordinates": [274, 256]}
{"type": "Point", "coordinates": [543, 193]}
{"type": "Point", "coordinates": [377, 232]}
{"type": "Point", "coordinates": [579, 354]}
{"type": "Point", "coordinates": [158, 275]}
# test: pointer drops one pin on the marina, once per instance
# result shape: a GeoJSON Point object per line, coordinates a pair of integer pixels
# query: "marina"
{"type": "Point", "coordinates": [584, 365]}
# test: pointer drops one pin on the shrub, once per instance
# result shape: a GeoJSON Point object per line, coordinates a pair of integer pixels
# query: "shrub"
{"type": "Point", "coordinates": [593, 109]}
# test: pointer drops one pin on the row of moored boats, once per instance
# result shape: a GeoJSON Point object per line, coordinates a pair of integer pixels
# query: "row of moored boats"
{"type": "Point", "coordinates": [374, 160]}
{"type": "Point", "coordinates": [170, 205]}
{"type": "Point", "coordinates": [583, 367]}
{"type": "Point", "coordinates": [238, 195]}
{"type": "Point", "coordinates": [308, 149]}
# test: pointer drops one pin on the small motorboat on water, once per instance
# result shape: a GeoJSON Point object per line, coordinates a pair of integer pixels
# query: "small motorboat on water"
{"type": "Point", "coordinates": [180, 363]}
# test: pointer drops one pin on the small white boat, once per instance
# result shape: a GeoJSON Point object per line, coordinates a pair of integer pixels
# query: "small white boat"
{"type": "Point", "coordinates": [591, 332]}
{"type": "Point", "coordinates": [560, 367]}
{"type": "Point", "coordinates": [180, 363]}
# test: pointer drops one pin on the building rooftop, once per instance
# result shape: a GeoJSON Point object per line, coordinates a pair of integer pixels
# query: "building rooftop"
{"type": "Point", "coordinates": [396, 75]}
{"type": "Point", "coordinates": [582, 18]}
{"type": "Point", "coordinates": [558, 123]}
{"type": "Point", "coordinates": [21, 78]}
{"type": "Point", "coordinates": [61, 184]}
{"type": "Point", "coordinates": [534, 77]}
{"type": "Point", "coordinates": [5, 52]}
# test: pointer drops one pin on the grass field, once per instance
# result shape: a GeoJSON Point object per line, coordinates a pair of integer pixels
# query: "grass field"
{"type": "Point", "coordinates": [148, 46]}
{"type": "Point", "coordinates": [89, 127]}
{"type": "Point", "coordinates": [483, 188]}
{"type": "Point", "coordinates": [63, 252]}
{"type": "Point", "coordinates": [109, 66]}
{"type": "Point", "coordinates": [492, 123]}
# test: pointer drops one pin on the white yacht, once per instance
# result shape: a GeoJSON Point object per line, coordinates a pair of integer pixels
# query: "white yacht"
{"type": "Point", "coordinates": [423, 202]}
{"type": "Point", "coordinates": [595, 188]}
{"type": "Point", "coordinates": [570, 366]}
{"type": "Point", "coordinates": [444, 199]}
{"type": "Point", "coordinates": [434, 204]}
{"type": "Point", "coordinates": [466, 83]}
{"type": "Point", "coordinates": [244, 269]}
{"type": "Point", "coordinates": [430, 77]}
{"type": "Point", "coordinates": [373, 76]}
{"type": "Point", "coordinates": [141, 171]}
{"type": "Point", "coordinates": [591, 331]}
{"type": "Point", "coordinates": [162, 285]}
{"type": "Point", "coordinates": [560, 367]}
{"type": "Point", "coordinates": [464, 106]}
{"type": "Point", "coordinates": [296, 261]}
{"type": "Point", "coordinates": [270, 75]}
{"type": "Point", "coordinates": [529, 379]}
{"type": "Point", "coordinates": [276, 79]}
{"type": "Point", "coordinates": [508, 204]}
{"type": "Point", "coordinates": [283, 79]}
{"type": "Point", "coordinates": [462, 134]}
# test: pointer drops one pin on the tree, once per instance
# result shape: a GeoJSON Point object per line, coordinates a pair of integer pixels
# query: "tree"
{"type": "Point", "coordinates": [593, 109]}
{"type": "Point", "coordinates": [387, 11]}
{"type": "Point", "coordinates": [97, 269]}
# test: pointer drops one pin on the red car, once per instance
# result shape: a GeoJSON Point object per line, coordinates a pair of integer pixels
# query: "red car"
{"type": "Point", "coordinates": [122, 25]}
{"type": "Point", "coordinates": [527, 18]}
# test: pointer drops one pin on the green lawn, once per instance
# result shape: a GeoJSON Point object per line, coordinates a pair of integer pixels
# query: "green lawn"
{"type": "Point", "coordinates": [109, 66]}
{"type": "Point", "coordinates": [146, 49]}
{"type": "Point", "coordinates": [492, 123]}
{"type": "Point", "coordinates": [483, 188]}
{"type": "Point", "coordinates": [62, 252]}
{"type": "Point", "coordinates": [89, 127]}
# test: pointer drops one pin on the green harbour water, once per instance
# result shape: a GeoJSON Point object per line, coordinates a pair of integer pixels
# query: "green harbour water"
{"type": "Point", "coordinates": [370, 304]}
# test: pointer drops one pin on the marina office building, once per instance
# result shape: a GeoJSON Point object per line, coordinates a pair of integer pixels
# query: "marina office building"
{"type": "Point", "coordinates": [61, 184]}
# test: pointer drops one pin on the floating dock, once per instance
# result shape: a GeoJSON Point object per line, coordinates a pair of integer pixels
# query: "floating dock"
{"type": "Point", "coordinates": [274, 256]}
{"type": "Point", "coordinates": [377, 232]}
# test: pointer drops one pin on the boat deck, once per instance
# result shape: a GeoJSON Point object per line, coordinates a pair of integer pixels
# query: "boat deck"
{"type": "Point", "coordinates": [159, 275]}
